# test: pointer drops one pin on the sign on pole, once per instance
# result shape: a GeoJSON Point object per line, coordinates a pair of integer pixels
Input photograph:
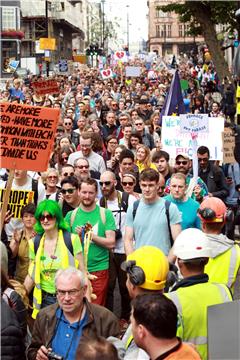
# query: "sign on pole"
{"type": "Point", "coordinates": [27, 136]}
{"type": "Point", "coordinates": [43, 87]}
{"type": "Point", "coordinates": [47, 43]}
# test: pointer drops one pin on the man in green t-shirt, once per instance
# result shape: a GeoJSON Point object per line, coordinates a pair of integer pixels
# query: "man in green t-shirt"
{"type": "Point", "coordinates": [101, 239]}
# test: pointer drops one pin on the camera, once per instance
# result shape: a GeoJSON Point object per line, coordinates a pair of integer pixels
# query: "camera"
{"type": "Point", "coordinates": [118, 234]}
{"type": "Point", "coordinates": [53, 356]}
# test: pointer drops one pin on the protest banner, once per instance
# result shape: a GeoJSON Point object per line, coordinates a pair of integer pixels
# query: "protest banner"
{"type": "Point", "coordinates": [175, 142]}
{"type": "Point", "coordinates": [228, 140]}
{"type": "Point", "coordinates": [133, 71]}
{"type": "Point", "coordinates": [26, 136]}
{"type": "Point", "coordinates": [17, 200]}
{"type": "Point", "coordinates": [106, 73]}
{"type": "Point", "coordinates": [43, 87]}
{"type": "Point", "coordinates": [197, 123]}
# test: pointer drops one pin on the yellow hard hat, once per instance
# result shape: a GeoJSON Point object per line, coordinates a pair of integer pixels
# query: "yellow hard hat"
{"type": "Point", "coordinates": [147, 268]}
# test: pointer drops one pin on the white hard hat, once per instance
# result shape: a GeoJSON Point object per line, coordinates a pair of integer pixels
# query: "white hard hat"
{"type": "Point", "coordinates": [192, 244]}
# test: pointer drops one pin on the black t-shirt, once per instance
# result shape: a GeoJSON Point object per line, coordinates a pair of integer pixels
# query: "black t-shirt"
{"type": "Point", "coordinates": [66, 208]}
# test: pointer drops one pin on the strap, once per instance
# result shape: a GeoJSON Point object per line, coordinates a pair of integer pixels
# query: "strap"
{"type": "Point", "coordinates": [103, 215]}
{"type": "Point", "coordinates": [103, 202]}
{"type": "Point", "coordinates": [167, 206]}
{"type": "Point", "coordinates": [35, 189]}
{"type": "Point", "coordinates": [124, 201]}
{"type": "Point", "coordinates": [36, 242]}
{"type": "Point", "coordinates": [135, 207]}
{"type": "Point", "coordinates": [68, 241]}
{"type": "Point", "coordinates": [73, 215]}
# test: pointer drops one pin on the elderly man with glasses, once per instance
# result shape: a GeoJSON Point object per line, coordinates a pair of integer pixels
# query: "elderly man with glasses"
{"type": "Point", "coordinates": [60, 328]}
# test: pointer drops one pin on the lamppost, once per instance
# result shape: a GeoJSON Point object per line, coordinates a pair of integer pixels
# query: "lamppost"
{"type": "Point", "coordinates": [127, 6]}
{"type": "Point", "coordinates": [103, 23]}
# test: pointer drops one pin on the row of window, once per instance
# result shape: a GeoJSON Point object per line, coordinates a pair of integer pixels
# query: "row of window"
{"type": "Point", "coordinates": [165, 30]}
{"type": "Point", "coordinates": [10, 18]}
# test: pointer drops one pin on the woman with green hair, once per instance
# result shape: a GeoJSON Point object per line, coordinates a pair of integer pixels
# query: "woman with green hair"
{"type": "Point", "coordinates": [53, 248]}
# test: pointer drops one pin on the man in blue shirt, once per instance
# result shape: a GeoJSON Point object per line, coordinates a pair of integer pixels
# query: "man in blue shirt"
{"type": "Point", "coordinates": [185, 204]}
{"type": "Point", "coordinates": [60, 327]}
{"type": "Point", "coordinates": [15, 92]}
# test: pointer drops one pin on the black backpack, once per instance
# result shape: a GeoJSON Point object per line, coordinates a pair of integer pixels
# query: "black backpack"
{"type": "Point", "coordinates": [66, 237]}
{"type": "Point", "coordinates": [167, 205]}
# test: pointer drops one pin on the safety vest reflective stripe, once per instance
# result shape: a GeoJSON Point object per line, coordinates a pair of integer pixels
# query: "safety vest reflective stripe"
{"type": "Point", "coordinates": [174, 297]}
{"type": "Point", "coordinates": [225, 292]}
{"type": "Point", "coordinates": [233, 262]}
{"type": "Point", "coordinates": [198, 340]}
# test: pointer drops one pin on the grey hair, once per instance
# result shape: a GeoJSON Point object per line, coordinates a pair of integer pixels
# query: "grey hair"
{"type": "Point", "coordinates": [80, 158]}
{"type": "Point", "coordinates": [71, 271]}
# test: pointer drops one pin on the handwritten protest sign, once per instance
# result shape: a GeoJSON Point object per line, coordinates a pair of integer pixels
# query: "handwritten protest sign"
{"type": "Point", "coordinates": [26, 136]}
{"type": "Point", "coordinates": [194, 123]}
{"type": "Point", "coordinates": [120, 55]}
{"type": "Point", "coordinates": [17, 200]}
{"type": "Point", "coordinates": [175, 142]}
{"type": "Point", "coordinates": [228, 146]}
{"type": "Point", "coordinates": [106, 73]}
{"type": "Point", "coordinates": [43, 87]}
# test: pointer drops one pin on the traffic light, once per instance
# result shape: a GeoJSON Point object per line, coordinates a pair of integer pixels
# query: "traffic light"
{"type": "Point", "coordinates": [94, 50]}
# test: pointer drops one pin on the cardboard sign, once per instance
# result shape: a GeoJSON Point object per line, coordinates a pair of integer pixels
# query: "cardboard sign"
{"type": "Point", "coordinates": [27, 136]}
{"type": "Point", "coordinates": [194, 123]}
{"type": "Point", "coordinates": [47, 43]}
{"type": "Point", "coordinates": [43, 87]}
{"type": "Point", "coordinates": [17, 200]}
{"type": "Point", "coordinates": [175, 142]}
{"type": "Point", "coordinates": [106, 73]}
{"type": "Point", "coordinates": [228, 146]}
{"type": "Point", "coordinates": [63, 65]}
{"type": "Point", "coordinates": [133, 71]}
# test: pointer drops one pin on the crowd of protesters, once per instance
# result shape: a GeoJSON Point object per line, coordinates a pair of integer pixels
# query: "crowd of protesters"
{"type": "Point", "coordinates": [110, 191]}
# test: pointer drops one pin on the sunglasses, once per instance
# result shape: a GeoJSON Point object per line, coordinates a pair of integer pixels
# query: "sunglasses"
{"type": "Point", "coordinates": [66, 174]}
{"type": "Point", "coordinates": [52, 177]}
{"type": "Point", "coordinates": [107, 183]}
{"type": "Point", "coordinates": [69, 191]}
{"type": "Point", "coordinates": [125, 183]}
{"type": "Point", "coordinates": [179, 162]}
{"type": "Point", "coordinates": [49, 217]}
{"type": "Point", "coordinates": [138, 124]}
{"type": "Point", "coordinates": [82, 167]}
{"type": "Point", "coordinates": [67, 123]}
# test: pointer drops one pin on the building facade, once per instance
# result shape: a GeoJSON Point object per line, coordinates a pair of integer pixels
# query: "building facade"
{"type": "Point", "coordinates": [167, 35]}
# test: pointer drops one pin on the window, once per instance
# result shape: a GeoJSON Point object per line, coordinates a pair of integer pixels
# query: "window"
{"type": "Point", "coordinates": [157, 31]}
{"type": "Point", "coordinates": [180, 30]}
{"type": "Point", "coordinates": [163, 31]}
{"type": "Point", "coordinates": [8, 17]}
{"type": "Point", "coordinates": [169, 31]}
{"type": "Point", "coordinates": [161, 14]}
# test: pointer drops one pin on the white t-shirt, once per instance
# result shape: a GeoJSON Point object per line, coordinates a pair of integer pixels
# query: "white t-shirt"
{"type": "Point", "coordinates": [96, 161]}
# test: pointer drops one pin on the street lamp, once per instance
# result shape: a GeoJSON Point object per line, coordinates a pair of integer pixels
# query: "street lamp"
{"type": "Point", "coordinates": [103, 23]}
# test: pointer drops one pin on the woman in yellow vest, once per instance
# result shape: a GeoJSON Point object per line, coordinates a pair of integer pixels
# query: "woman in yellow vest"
{"type": "Point", "coordinates": [53, 248]}
{"type": "Point", "coordinates": [143, 158]}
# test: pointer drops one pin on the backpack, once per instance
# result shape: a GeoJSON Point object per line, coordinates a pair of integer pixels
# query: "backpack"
{"type": "Point", "coordinates": [167, 206]}
{"type": "Point", "coordinates": [66, 237]}
{"type": "Point", "coordinates": [122, 201]}
{"type": "Point", "coordinates": [35, 189]}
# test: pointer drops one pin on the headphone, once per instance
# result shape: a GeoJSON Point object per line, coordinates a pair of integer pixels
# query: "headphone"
{"type": "Point", "coordinates": [136, 273]}
{"type": "Point", "coordinates": [209, 215]}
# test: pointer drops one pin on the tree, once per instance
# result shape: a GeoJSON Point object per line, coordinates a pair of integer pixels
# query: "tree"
{"type": "Point", "coordinates": [202, 17]}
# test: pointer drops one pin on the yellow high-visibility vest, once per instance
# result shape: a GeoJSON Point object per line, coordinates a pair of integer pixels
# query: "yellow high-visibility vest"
{"type": "Point", "coordinates": [192, 303]}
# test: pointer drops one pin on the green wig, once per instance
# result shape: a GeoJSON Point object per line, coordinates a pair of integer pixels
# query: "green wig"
{"type": "Point", "coordinates": [51, 207]}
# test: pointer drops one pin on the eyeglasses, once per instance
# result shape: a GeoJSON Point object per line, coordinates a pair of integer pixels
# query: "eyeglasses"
{"type": "Point", "coordinates": [125, 183]}
{"type": "Point", "coordinates": [67, 123]}
{"type": "Point", "coordinates": [138, 124]}
{"type": "Point", "coordinates": [82, 167]}
{"type": "Point", "coordinates": [179, 162]}
{"type": "Point", "coordinates": [72, 293]}
{"type": "Point", "coordinates": [107, 183]}
{"type": "Point", "coordinates": [66, 174]}
{"type": "Point", "coordinates": [69, 191]}
{"type": "Point", "coordinates": [48, 217]}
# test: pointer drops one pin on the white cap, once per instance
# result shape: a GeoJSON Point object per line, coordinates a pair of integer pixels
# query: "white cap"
{"type": "Point", "coordinates": [192, 244]}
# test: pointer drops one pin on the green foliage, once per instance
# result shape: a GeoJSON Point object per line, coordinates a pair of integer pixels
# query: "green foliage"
{"type": "Point", "coordinates": [220, 12]}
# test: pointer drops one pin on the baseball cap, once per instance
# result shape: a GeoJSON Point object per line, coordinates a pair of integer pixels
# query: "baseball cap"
{"type": "Point", "coordinates": [185, 156]}
{"type": "Point", "coordinates": [212, 209]}
{"type": "Point", "coordinates": [154, 264]}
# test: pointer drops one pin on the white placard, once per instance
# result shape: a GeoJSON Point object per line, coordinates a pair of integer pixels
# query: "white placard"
{"type": "Point", "coordinates": [106, 73]}
{"type": "Point", "coordinates": [133, 71]}
{"type": "Point", "coordinates": [194, 123]}
{"type": "Point", "coordinates": [120, 56]}
{"type": "Point", "coordinates": [175, 142]}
